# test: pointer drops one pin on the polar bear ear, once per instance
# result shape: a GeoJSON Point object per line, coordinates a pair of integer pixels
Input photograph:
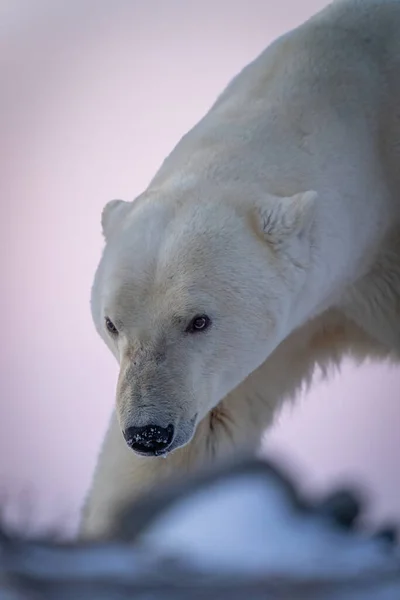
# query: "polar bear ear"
{"type": "Point", "coordinates": [288, 217]}
{"type": "Point", "coordinates": [112, 215]}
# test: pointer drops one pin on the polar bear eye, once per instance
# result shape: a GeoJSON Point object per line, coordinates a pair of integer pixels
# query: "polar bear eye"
{"type": "Point", "coordinates": [199, 323]}
{"type": "Point", "coordinates": [111, 327]}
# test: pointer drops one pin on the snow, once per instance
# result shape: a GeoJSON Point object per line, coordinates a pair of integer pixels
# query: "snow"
{"type": "Point", "coordinates": [249, 526]}
{"type": "Point", "coordinates": [241, 532]}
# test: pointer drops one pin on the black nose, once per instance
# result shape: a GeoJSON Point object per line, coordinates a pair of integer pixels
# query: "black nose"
{"type": "Point", "coordinates": [150, 440]}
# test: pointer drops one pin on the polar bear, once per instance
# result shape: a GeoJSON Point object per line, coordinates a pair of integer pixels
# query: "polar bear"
{"type": "Point", "coordinates": [266, 246]}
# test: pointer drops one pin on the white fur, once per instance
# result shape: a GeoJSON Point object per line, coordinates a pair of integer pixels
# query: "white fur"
{"type": "Point", "coordinates": [278, 215]}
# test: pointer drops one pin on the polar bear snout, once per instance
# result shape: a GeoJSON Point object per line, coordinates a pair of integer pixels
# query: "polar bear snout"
{"type": "Point", "coordinates": [150, 440]}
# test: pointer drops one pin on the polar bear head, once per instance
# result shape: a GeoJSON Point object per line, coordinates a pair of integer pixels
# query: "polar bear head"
{"type": "Point", "coordinates": [191, 295]}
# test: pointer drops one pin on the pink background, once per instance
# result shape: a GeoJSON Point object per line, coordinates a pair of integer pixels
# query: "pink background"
{"type": "Point", "coordinates": [94, 94]}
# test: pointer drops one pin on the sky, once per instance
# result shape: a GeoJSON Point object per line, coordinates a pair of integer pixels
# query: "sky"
{"type": "Point", "coordinates": [94, 95]}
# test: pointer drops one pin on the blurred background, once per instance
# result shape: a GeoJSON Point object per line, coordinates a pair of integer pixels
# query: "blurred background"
{"type": "Point", "coordinates": [94, 94]}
